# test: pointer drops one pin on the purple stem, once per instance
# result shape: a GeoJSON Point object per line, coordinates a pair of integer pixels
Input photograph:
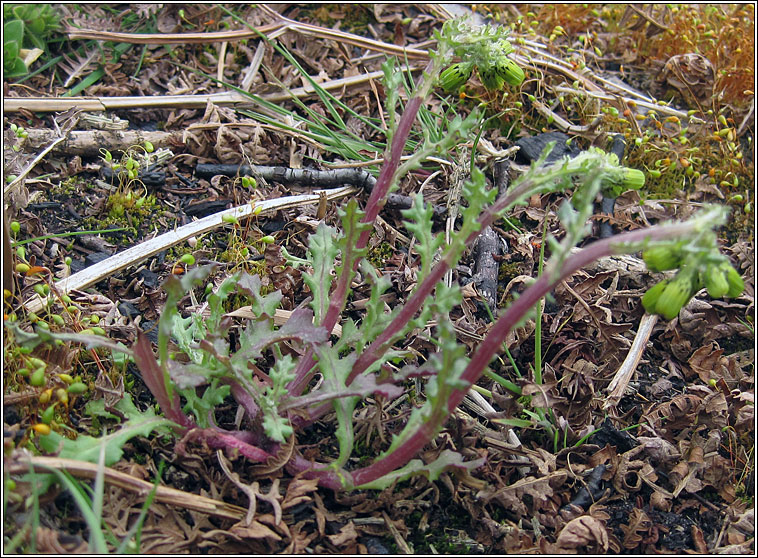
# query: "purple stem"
{"type": "Point", "coordinates": [380, 345]}
{"type": "Point", "coordinates": [373, 206]}
{"type": "Point", "coordinates": [487, 349]}
{"type": "Point", "coordinates": [220, 440]}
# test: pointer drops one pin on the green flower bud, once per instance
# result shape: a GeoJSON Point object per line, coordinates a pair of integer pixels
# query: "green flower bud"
{"type": "Point", "coordinates": [511, 72]}
{"type": "Point", "coordinates": [676, 294]}
{"type": "Point", "coordinates": [38, 377]}
{"type": "Point", "coordinates": [48, 414]}
{"type": "Point", "coordinates": [714, 279]}
{"type": "Point", "coordinates": [37, 362]}
{"type": "Point", "coordinates": [662, 257]}
{"type": "Point", "coordinates": [634, 179]}
{"type": "Point", "coordinates": [453, 78]}
{"type": "Point", "coordinates": [736, 284]}
{"type": "Point", "coordinates": [650, 298]}
{"type": "Point", "coordinates": [491, 79]}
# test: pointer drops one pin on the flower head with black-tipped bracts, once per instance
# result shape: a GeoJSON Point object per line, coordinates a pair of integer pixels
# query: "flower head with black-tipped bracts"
{"type": "Point", "coordinates": [484, 48]}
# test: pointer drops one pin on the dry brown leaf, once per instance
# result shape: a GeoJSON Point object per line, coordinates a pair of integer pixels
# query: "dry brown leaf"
{"type": "Point", "coordinates": [699, 540]}
{"type": "Point", "coordinates": [660, 451]}
{"type": "Point", "coordinates": [707, 362]}
{"type": "Point", "coordinates": [584, 531]}
{"type": "Point", "coordinates": [256, 530]}
{"type": "Point", "coordinates": [78, 64]}
{"type": "Point", "coordinates": [297, 492]}
{"type": "Point", "coordinates": [544, 395]}
{"type": "Point", "coordinates": [512, 497]}
{"type": "Point", "coordinates": [631, 473]}
{"type": "Point", "coordinates": [635, 529]}
{"type": "Point", "coordinates": [346, 535]}
{"type": "Point", "coordinates": [676, 413]}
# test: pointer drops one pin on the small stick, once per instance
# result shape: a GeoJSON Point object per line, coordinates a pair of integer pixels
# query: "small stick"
{"type": "Point", "coordinates": [626, 370]}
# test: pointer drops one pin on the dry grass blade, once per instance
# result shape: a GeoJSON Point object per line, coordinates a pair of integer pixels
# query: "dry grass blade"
{"type": "Point", "coordinates": [225, 99]}
{"type": "Point", "coordinates": [168, 38]}
{"type": "Point", "coordinates": [18, 180]}
{"type": "Point", "coordinates": [273, 30]}
{"type": "Point", "coordinates": [164, 494]}
{"type": "Point", "coordinates": [626, 370]}
{"type": "Point", "coordinates": [94, 273]}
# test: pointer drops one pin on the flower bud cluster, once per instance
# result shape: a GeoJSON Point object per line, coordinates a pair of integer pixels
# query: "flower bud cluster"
{"type": "Point", "coordinates": [485, 49]}
{"type": "Point", "coordinates": [700, 265]}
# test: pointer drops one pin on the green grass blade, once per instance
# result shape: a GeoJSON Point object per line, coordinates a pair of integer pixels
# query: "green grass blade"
{"type": "Point", "coordinates": [63, 235]}
{"type": "Point", "coordinates": [97, 539]}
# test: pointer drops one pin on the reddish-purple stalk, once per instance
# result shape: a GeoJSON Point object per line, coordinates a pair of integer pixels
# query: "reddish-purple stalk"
{"type": "Point", "coordinates": [413, 304]}
{"type": "Point", "coordinates": [485, 352]}
{"type": "Point", "coordinates": [373, 206]}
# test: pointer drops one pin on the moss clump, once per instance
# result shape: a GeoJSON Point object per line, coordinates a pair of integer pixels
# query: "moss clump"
{"type": "Point", "coordinates": [380, 254]}
{"type": "Point", "coordinates": [351, 17]}
{"type": "Point", "coordinates": [137, 205]}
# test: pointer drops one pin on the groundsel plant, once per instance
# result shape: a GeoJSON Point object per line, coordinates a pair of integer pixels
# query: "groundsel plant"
{"type": "Point", "coordinates": [276, 389]}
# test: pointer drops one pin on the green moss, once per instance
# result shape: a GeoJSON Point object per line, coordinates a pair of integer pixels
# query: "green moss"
{"type": "Point", "coordinates": [508, 271]}
{"type": "Point", "coordinates": [380, 254]}
{"type": "Point", "coordinates": [139, 206]}
{"type": "Point", "coordinates": [354, 18]}
{"type": "Point", "coordinates": [72, 186]}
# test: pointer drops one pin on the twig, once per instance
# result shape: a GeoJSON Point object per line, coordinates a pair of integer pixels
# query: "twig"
{"type": "Point", "coordinates": [272, 30]}
{"type": "Point", "coordinates": [286, 175]}
{"type": "Point", "coordinates": [621, 379]}
{"type": "Point", "coordinates": [310, 177]}
{"type": "Point", "coordinates": [404, 548]}
{"type": "Point", "coordinates": [94, 273]}
{"type": "Point", "coordinates": [227, 98]}
{"type": "Point", "coordinates": [563, 124]}
{"type": "Point", "coordinates": [663, 109]}
{"type": "Point", "coordinates": [89, 142]}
